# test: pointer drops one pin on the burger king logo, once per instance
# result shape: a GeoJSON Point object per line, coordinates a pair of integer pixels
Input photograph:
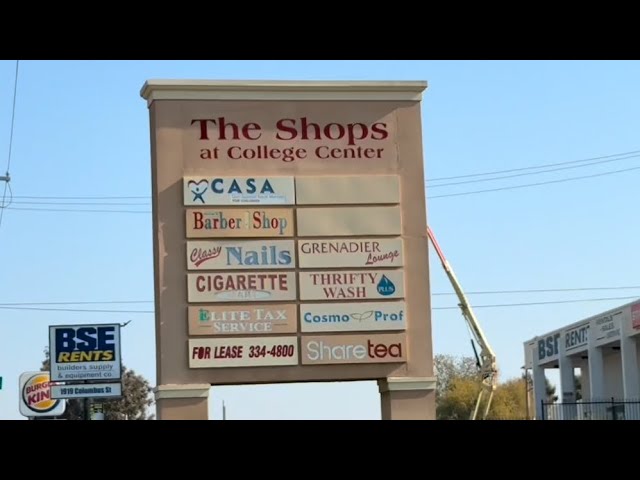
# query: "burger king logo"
{"type": "Point", "coordinates": [36, 394]}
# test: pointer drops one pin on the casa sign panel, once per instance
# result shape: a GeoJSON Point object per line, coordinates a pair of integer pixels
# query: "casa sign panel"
{"type": "Point", "coordinates": [351, 284]}
{"type": "Point", "coordinates": [243, 352]}
{"type": "Point", "coordinates": [240, 254]}
{"type": "Point", "coordinates": [232, 222]}
{"type": "Point", "coordinates": [351, 252]}
{"type": "Point", "coordinates": [238, 191]}
{"type": "Point", "coordinates": [350, 317]}
{"type": "Point", "coordinates": [243, 319]}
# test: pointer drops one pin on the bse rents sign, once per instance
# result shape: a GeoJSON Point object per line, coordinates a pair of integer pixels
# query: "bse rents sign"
{"type": "Point", "coordinates": [84, 352]}
{"type": "Point", "coordinates": [289, 235]}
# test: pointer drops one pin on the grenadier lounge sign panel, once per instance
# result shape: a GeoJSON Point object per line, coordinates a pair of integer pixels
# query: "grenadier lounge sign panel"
{"type": "Point", "coordinates": [295, 214]}
{"type": "Point", "coordinates": [350, 252]}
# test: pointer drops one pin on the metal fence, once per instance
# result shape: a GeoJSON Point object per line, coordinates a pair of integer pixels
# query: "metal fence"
{"type": "Point", "coordinates": [612, 409]}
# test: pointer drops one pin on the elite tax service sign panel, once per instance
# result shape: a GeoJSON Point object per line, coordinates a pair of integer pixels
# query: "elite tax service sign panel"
{"type": "Point", "coordinates": [84, 352]}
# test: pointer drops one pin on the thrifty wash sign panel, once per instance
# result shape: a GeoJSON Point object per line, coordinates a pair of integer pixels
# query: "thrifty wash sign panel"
{"type": "Point", "coordinates": [238, 191]}
{"type": "Point", "coordinates": [351, 284]}
{"type": "Point", "coordinates": [84, 352]}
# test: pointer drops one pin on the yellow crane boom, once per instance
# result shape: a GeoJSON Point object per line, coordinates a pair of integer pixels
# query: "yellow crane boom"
{"type": "Point", "coordinates": [487, 358]}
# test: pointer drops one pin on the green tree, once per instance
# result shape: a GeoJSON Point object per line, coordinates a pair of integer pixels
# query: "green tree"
{"type": "Point", "coordinates": [136, 397]}
{"type": "Point", "coordinates": [448, 368]}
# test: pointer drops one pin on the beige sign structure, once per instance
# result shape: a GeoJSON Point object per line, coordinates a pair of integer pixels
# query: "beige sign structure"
{"type": "Point", "coordinates": [290, 243]}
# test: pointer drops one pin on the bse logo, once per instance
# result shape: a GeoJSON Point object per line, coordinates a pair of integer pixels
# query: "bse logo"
{"type": "Point", "coordinates": [85, 344]}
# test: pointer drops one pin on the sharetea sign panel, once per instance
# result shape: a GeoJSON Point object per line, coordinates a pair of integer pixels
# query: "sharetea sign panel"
{"type": "Point", "coordinates": [351, 284]}
{"type": "Point", "coordinates": [350, 317]}
{"type": "Point", "coordinates": [238, 190]}
{"type": "Point", "coordinates": [243, 352]}
{"type": "Point", "coordinates": [350, 252]}
{"type": "Point", "coordinates": [341, 349]}
{"type": "Point", "coordinates": [241, 254]}
{"type": "Point", "coordinates": [241, 287]}
{"type": "Point", "coordinates": [233, 222]}
{"type": "Point", "coordinates": [243, 319]}
{"type": "Point", "coordinates": [84, 352]}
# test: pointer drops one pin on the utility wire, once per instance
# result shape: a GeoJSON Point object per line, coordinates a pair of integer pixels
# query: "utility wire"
{"type": "Point", "coordinates": [486, 292]}
{"type": "Point", "coordinates": [531, 173]}
{"type": "Point", "coordinates": [534, 184]}
{"type": "Point", "coordinates": [3, 205]}
{"type": "Point", "coordinates": [498, 305]}
{"type": "Point", "coordinates": [495, 172]}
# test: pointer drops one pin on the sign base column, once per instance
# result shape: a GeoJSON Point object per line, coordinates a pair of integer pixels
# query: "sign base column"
{"type": "Point", "coordinates": [182, 402]}
{"type": "Point", "coordinates": [408, 398]}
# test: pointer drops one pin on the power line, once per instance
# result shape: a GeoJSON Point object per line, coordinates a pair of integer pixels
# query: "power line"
{"type": "Point", "coordinates": [109, 302]}
{"type": "Point", "coordinates": [532, 167]}
{"type": "Point", "coordinates": [532, 173]}
{"type": "Point", "coordinates": [499, 305]}
{"type": "Point", "coordinates": [76, 210]}
{"type": "Point", "coordinates": [542, 303]}
{"type": "Point", "coordinates": [3, 205]}
{"type": "Point", "coordinates": [497, 292]}
{"type": "Point", "coordinates": [34, 197]}
{"type": "Point", "coordinates": [534, 184]}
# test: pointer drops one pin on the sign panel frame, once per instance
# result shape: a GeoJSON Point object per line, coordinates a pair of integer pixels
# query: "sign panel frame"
{"type": "Point", "coordinates": [353, 317]}
{"type": "Point", "coordinates": [384, 348]}
{"type": "Point", "coordinates": [106, 370]}
{"type": "Point", "coordinates": [343, 285]}
{"type": "Point", "coordinates": [210, 320]}
{"type": "Point", "coordinates": [234, 222]}
{"type": "Point", "coordinates": [245, 280]}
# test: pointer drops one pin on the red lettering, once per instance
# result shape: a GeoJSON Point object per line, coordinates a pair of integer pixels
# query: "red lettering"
{"type": "Point", "coordinates": [197, 220]}
{"type": "Point", "coordinates": [351, 132]}
{"type": "Point", "coordinates": [204, 132]}
{"type": "Point", "coordinates": [283, 126]}
{"type": "Point", "coordinates": [327, 131]}
{"type": "Point", "coordinates": [200, 283]}
{"type": "Point", "coordinates": [251, 127]}
{"type": "Point", "coordinates": [381, 350]}
{"type": "Point", "coordinates": [305, 125]}
{"type": "Point", "coordinates": [381, 130]}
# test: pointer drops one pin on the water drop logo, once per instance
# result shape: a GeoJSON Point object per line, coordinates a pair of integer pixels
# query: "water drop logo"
{"type": "Point", "coordinates": [385, 286]}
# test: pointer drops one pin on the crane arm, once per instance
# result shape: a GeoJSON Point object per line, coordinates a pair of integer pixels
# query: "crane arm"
{"type": "Point", "coordinates": [486, 358]}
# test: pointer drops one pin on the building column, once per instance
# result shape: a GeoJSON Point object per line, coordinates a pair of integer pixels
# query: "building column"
{"type": "Point", "coordinates": [567, 388]}
{"type": "Point", "coordinates": [630, 376]}
{"type": "Point", "coordinates": [182, 402]}
{"type": "Point", "coordinates": [408, 398]}
{"type": "Point", "coordinates": [596, 374]}
{"type": "Point", "coordinates": [539, 390]}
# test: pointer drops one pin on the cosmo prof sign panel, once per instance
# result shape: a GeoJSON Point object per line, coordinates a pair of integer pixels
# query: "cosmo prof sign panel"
{"type": "Point", "coordinates": [243, 319]}
{"type": "Point", "coordinates": [36, 399]}
{"type": "Point", "coordinates": [244, 287]}
{"type": "Point", "coordinates": [351, 284]}
{"type": "Point", "coordinates": [351, 317]}
{"type": "Point", "coordinates": [350, 252]}
{"type": "Point", "coordinates": [238, 190]}
{"type": "Point", "coordinates": [84, 352]}
{"type": "Point", "coordinates": [243, 352]}
{"type": "Point", "coordinates": [240, 254]}
{"type": "Point", "coordinates": [233, 222]}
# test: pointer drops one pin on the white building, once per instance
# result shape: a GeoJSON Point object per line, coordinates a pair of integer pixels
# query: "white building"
{"type": "Point", "coordinates": [605, 350]}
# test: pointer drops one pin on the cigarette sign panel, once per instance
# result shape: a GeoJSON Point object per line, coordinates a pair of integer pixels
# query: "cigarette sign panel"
{"type": "Point", "coordinates": [352, 317]}
{"type": "Point", "coordinates": [239, 222]}
{"type": "Point", "coordinates": [344, 349]}
{"type": "Point", "coordinates": [241, 287]}
{"type": "Point", "coordinates": [238, 190]}
{"type": "Point", "coordinates": [243, 352]}
{"type": "Point", "coordinates": [243, 319]}
{"type": "Point", "coordinates": [351, 285]}
{"type": "Point", "coordinates": [240, 254]}
{"type": "Point", "coordinates": [350, 252]}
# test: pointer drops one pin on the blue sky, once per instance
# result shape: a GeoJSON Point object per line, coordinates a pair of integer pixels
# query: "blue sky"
{"type": "Point", "coordinates": [81, 130]}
